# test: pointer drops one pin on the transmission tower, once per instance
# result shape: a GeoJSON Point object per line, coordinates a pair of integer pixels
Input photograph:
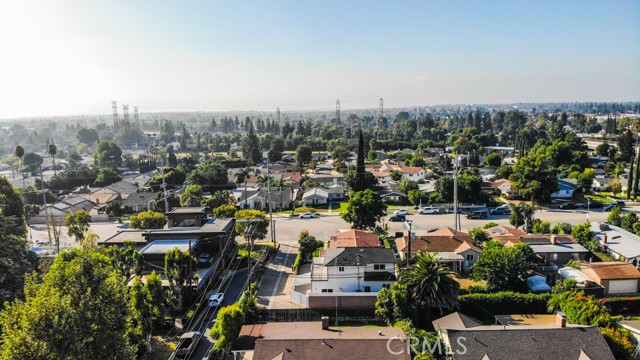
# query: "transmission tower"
{"type": "Point", "coordinates": [114, 106]}
{"type": "Point", "coordinates": [135, 114]}
{"type": "Point", "coordinates": [338, 111]}
{"type": "Point", "coordinates": [380, 119]}
{"type": "Point", "coordinates": [278, 115]}
{"type": "Point", "coordinates": [125, 110]}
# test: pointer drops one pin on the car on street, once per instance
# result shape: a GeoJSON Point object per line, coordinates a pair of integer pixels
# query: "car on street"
{"type": "Point", "coordinates": [216, 299]}
{"type": "Point", "coordinates": [204, 258]}
{"type": "Point", "coordinates": [429, 210]}
{"type": "Point", "coordinates": [568, 205]}
{"type": "Point", "coordinates": [308, 215]}
{"type": "Point", "coordinates": [620, 203]}
{"type": "Point", "coordinates": [187, 343]}
{"type": "Point", "coordinates": [401, 218]}
{"type": "Point", "coordinates": [401, 212]}
{"type": "Point", "coordinates": [591, 205]}
{"type": "Point", "coordinates": [478, 214]}
{"type": "Point", "coordinates": [40, 242]}
{"type": "Point", "coordinates": [501, 210]}
{"type": "Point", "coordinates": [609, 207]}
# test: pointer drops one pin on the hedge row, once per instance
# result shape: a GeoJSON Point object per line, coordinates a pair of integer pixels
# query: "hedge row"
{"type": "Point", "coordinates": [485, 306]}
{"type": "Point", "coordinates": [622, 305]}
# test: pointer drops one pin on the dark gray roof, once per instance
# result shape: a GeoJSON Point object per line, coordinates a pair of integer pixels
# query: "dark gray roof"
{"type": "Point", "coordinates": [123, 187]}
{"type": "Point", "coordinates": [530, 344]}
{"type": "Point", "coordinates": [125, 235]}
{"type": "Point", "coordinates": [139, 198]}
{"type": "Point", "coordinates": [354, 256]}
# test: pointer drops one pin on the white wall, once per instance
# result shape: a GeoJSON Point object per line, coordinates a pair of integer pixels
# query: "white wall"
{"type": "Point", "coordinates": [347, 280]}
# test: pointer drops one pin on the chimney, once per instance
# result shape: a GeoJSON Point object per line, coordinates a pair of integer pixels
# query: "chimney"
{"type": "Point", "coordinates": [325, 322]}
{"type": "Point", "coordinates": [554, 240]}
{"type": "Point", "coordinates": [561, 319]}
{"type": "Point", "coordinates": [604, 238]}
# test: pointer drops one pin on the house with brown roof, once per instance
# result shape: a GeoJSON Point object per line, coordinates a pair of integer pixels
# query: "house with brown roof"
{"type": "Point", "coordinates": [555, 249]}
{"type": "Point", "coordinates": [503, 187]}
{"type": "Point", "coordinates": [506, 235]}
{"type": "Point", "coordinates": [449, 245]}
{"type": "Point", "coordinates": [317, 341]}
{"type": "Point", "coordinates": [616, 277]}
{"type": "Point", "coordinates": [355, 238]}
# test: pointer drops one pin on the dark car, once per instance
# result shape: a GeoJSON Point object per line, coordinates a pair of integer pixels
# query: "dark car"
{"type": "Point", "coordinates": [478, 214]}
{"type": "Point", "coordinates": [620, 203]}
{"type": "Point", "coordinates": [397, 218]}
{"type": "Point", "coordinates": [568, 205]}
{"type": "Point", "coordinates": [501, 210]}
{"type": "Point", "coordinates": [611, 206]}
{"type": "Point", "coordinates": [594, 205]}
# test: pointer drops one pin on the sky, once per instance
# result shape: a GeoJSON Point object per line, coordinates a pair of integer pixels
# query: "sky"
{"type": "Point", "coordinates": [69, 57]}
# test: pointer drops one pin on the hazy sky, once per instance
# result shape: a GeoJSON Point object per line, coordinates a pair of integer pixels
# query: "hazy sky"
{"type": "Point", "coordinates": [72, 57]}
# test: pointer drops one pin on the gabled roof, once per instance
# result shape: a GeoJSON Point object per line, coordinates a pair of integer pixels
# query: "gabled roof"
{"type": "Point", "coordinates": [611, 270]}
{"type": "Point", "coordinates": [547, 239]}
{"type": "Point", "coordinates": [353, 256]}
{"type": "Point", "coordinates": [355, 238]}
{"type": "Point", "coordinates": [410, 169]}
{"type": "Point", "coordinates": [444, 239]}
{"type": "Point", "coordinates": [504, 234]}
{"type": "Point", "coordinates": [455, 320]}
{"type": "Point", "coordinates": [139, 198]}
{"type": "Point", "coordinates": [316, 192]}
{"type": "Point", "coordinates": [568, 343]}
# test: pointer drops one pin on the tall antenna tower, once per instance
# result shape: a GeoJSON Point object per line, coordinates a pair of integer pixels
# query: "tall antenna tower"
{"type": "Point", "coordinates": [114, 106]}
{"type": "Point", "coordinates": [380, 119]}
{"type": "Point", "coordinates": [135, 114]}
{"type": "Point", "coordinates": [338, 110]}
{"type": "Point", "coordinates": [278, 115]}
{"type": "Point", "coordinates": [125, 110]}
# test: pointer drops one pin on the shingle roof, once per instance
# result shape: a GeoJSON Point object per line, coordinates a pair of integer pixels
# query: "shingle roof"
{"type": "Point", "coordinates": [611, 270]}
{"type": "Point", "coordinates": [442, 240]}
{"type": "Point", "coordinates": [530, 344]}
{"type": "Point", "coordinates": [410, 169]}
{"type": "Point", "coordinates": [354, 238]}
{"type": "Point", "coordinates": [353, 256]}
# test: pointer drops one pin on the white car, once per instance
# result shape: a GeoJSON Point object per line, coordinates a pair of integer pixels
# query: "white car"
{"type": "Point", "coordinates": [308, 215]}
{"type": "Point", "coordinates": [40, 242]}
{"type": "Point", "coordinates": [216, 299]}
{"type": "Point", "coordinates": [430, 210]}
{"type": "Point", "coordinates": [401, 212]}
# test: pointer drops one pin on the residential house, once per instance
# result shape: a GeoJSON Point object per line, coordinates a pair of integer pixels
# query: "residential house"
{"type": "Point", "coordinates": [503, 187]}
{"type": "Point", "coordinates": [617, 242]}
{"type": "Point", "coordinates": [616, 277]}
{"type": "Point", "coordinates": [323, 196]}
{"type": "Point", "coordinates": [59, 210]}
{"type": "Point", "coordinates": [566, 189]}
{"type": "Point", "coordinates": [522, 337]}
{"type": "Point", "coordinates": [506, 235]}
{"type": "Point", "coordinates": [450, 246]}
{"type": "Point", "coordinates": [138, 202]}
{"type": "Point", "coordinates": [186, 216]}
{"type": "Point", "coordinates": [413, 173]}
{"type": "Point", "coordinates": [355, 238]}
{"type": "Point", "coordinates": [555, 249]}
{"type": "Point", "coordinates": [317, 341]}
{"type": "Point", "coordinates": [604, 183]}
{"type": "Point", "coordinates": [392, 196]}
{"type": "Point", "coordinates": [583, 282]}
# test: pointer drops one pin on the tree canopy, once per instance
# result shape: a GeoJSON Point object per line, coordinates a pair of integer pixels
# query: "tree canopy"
{"type": "Point", "coordinates": [364, 210]}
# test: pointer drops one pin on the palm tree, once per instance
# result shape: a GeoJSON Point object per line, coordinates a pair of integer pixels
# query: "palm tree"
{"type": "Point", "coordinates": [522, 214]}
{"type": "Point", "coordinates": [20, 155]}
{"type": "Point", "coordinates": [192, 196]}
{"type": "Point", "coordinates": [53, 150]}
{"type": "Point", "coordinates": [241, 177]}
{"type": "Point", "coordinates": [430, 284]}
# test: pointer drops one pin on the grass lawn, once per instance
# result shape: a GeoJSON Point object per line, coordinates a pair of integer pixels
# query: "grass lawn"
{"type": "Point", "coordinates": [256, 252]}
{"type": "Point", "coordinates": [316, 253]}
{"type": "Point", "coordinates": [465, 282]}
{"type": "Point", "coordinates": [599, 198]}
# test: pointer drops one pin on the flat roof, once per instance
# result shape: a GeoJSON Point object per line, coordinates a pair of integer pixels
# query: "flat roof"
{"type": "Point", "coordinates": [187, 210]}
{"type": "Point", "coordinates": [619, 240]}
{"type": "Point", "coordinates": [121, 236]}
{"type": "Point", "coordinates": [163, 246]}
{"type": "Point", "coordinates": [560, 248]}
{"type": "Point", "coordinates": [573, 273]}
{"type": "Point", "coordinates": [526, 319]}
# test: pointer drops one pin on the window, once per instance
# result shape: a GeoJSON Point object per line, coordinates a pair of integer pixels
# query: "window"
{"type": "Point", "coordinates": [554, 256]}
{"type": "Point", "coordinates": [327, 290]}
{"type": "Point", "coordinates": [386, 286]}
{"type": "Point", "coordinates": [469, 257]}
{"type": "Point", "coordinates": [378, 266]}
{"type": "Point", "coordinates": [367, 289]}
{"type": "Point", "coordinates": [341, 268]}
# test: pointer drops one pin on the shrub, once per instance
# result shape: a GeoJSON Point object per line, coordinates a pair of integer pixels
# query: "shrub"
{"type": "Point", "coordinates": [619, 340]}
{"type": "Point", "coordinates": [148, 220]}
{"type": "Point", "coordinates": [485, 306]}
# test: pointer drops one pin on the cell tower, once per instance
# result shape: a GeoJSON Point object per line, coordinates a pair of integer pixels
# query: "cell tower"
{"type": "Point", "coordinates": [278, 115]}
{"type": "Point", "coordinates": [114, 106]}
{"type": "Point", "coordinates": [135, 114]}
{"type": "Point", "coordinates": [380, 119]}
{"type": "Point", "coordinates": [338, 111]}
{"type": "Point", "coordinates": [125, 110]}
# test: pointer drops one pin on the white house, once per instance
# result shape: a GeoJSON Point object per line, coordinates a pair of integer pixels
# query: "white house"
{"type": "Point", "coordinates": [322, 196]}
{"type": "Point", "coordinates": [413, 173]}
{"type": "Point", "coordinates": [353, 269]}
{"type": "Point", "coordinates": [566, 188]}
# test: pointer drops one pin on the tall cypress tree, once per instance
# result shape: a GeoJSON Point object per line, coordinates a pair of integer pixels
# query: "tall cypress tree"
{"type": "Point", "coordinates": [631, 173]}
{"type": "Point", "coordinates": [637, 175]}
{"type": "Point", "coordinates": [360, 171]}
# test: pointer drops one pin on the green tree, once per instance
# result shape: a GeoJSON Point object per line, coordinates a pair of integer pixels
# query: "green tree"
{"type": "Point", "coordinates": [493, 159]}
{"type": "Point", "coordinates": [504, 268]}
{"type": "Point", "coordinates": [225, 211]}
{"type": "Point", "coordinates": [227, 327]}
{"type": "Point", "coordinates": [541, 227]}
{"type": "Point", "coordinates": [360, 175]}
{"type": "Point", "coordinates": [522, 214]}
{"type": "Point", "coordinates": [15, 262]}
{"type": "Point", "coordinates": [396, 175]}
{"type": "Point", "coordinates": [614, 217]}
{"type": "Point", "coordinates": [218, 198]}
{"type": "Point", "coordinates": [31, 161]}
{"type": "Point", "coordinates": [139, 322]}
{"type": "Point", "coordinates": [616, 186]}
{"type": "Point", "coordinates": [340, 153]}
{"type": "Point", "coordinates": [79, 311]}
{"type": "Point", "coordinates": [249, 306]}
{"type": "Point", "coordinates": [126, 259]}
{"type": "Point", "coordinates": [20, 155]}
{"type": "Point", "coordinates": [416, 197]}
{"type": "Point", "coordinates": [251, 147]}
{"type": "Point", "coordinates": [11, 208]}
{"type": "Point", "coordinates": [303, 154]}
{"type": "Point", "coordinates": [628, 220]}
{"type": "Point", "coordinates": [211, 176]}
{"type": "Point", "coordinates": [253, 225]}
{"type": "Point", "coordinates": [177, 264]}
{"type": "Point", "coordinates": [87, 136]}
{"type": "Point", "coordinates": [307, 244]}
{"type": "Point", "coordinates": [584, 235]}
{"type": "Point", "coordinates": [107, 176]}
{"type": "Point", "coordinates": [192, 196]}
{"type": "Point", "coordinates": [407, 185]}
{"type": "Point", "coordinates": [148, 220]}
{"type": "Point", "coordinates": [108, 154]}
{"type": "Point", "coordinates": [364, 210]}
{"type": "Point", "coordinates": [78, 224]}
{"type": "Point", "coordinates": [156, 298]}
{"type": "Point", "coordinates": [564, 285]}
{"type": "Point", "coordinates": [479, 236]}
{"type": "Point", "coordinates": [534, 176]}
{"type": "Point", "coordinates": [351, 178]}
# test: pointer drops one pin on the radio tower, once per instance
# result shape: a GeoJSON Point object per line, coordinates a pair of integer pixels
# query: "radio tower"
{"type": "Point", "coordinates": [278, 115]}
{"type": "Point", "coordinates": [125, 110]}
{"type": "Point", "coordinates": [381, 119]}
{"type": "Point", "coordinates": [338, 110]}
{"type": "Point", "coordinates": [135, 114]}
{"type": "Point", "coordinates": [114, 106]}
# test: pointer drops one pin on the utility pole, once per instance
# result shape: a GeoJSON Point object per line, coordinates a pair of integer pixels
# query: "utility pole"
{"type": "Point", "coordinates": [164, 191]}
{"type": "Point", "coordinates": [338, 111]}
{"type": "Point", "coordinates": [380, 119]}
{"type": "Point", "coordinates": [456, 224]}
{"type": "Point", "coordinates": [409, 244]}
{"type": "Point", "coordinates": [270, 202]}
{"type": "Point", "coordinates": [46, 210]}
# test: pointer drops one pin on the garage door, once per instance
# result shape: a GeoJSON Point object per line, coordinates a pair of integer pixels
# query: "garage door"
{"type": "Point", "coordinates": [623, 286]}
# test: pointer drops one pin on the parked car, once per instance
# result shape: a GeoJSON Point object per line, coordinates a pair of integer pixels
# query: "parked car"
{"type": "Point", "coordinates": [568, 205]}
{"type": "Point", "coordinates": [429, 210]}
{"type": "Point", "coordinates": [501, 210]}
{"type": "Point", "coordinates": [41, 242]}
{"type": "Point", "coordinates": [204, 258]}
{"type": "Point", "coordinates": [186, 345]}
{"type": "Point", "coordinates": [610, 206]}
{"type": "Point", "coordinates": [594, 205]}
{"type": "Point", "coordinates": [401, 212]}
{"type": "Point", "coordinates": [216, 299]}
{"type": "Point", "coordinates": [308, 215]}
{"type": "Point", "coordinates": [401, 218]}
{"type": "Point", "coordinates": [478, 214]}
{"type": "Point", "coordinates": [620, 203]}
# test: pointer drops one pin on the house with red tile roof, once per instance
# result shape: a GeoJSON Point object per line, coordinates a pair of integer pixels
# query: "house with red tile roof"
{"type": "Point", "coordinates": [355, 238]}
